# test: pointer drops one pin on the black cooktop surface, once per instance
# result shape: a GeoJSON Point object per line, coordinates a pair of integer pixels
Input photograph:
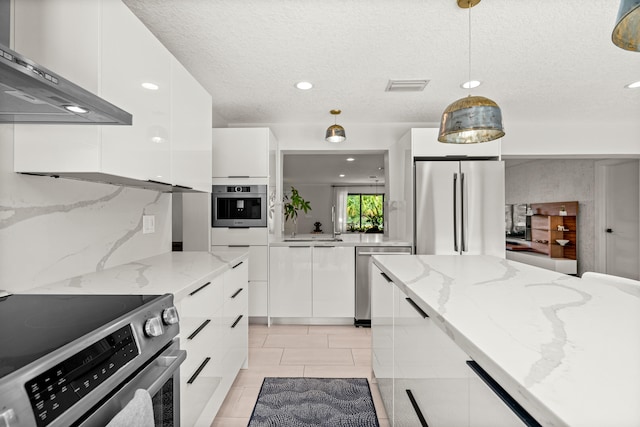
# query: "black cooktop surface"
{"type": "Point", "coordinates": [32, 326]}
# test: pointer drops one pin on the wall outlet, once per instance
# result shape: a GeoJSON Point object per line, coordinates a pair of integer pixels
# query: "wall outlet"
{"type": "Point", "coordinates": [148, 224]}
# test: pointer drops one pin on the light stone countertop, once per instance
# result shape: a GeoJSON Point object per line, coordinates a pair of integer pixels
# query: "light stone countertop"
{"type": "Point", "coordinates": [348, 239]}
{"type": "Point", "coordinates": [567, 349]}
{"type": "Point", "coordinates": [171, 272]}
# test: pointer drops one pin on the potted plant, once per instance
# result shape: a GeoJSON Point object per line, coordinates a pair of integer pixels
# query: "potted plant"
{"type": "Point", "coordinates": [292, 205]}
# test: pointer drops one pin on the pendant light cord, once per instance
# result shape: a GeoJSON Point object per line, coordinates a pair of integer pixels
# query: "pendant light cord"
{"type": "Point", "coordinates": [469, 48]}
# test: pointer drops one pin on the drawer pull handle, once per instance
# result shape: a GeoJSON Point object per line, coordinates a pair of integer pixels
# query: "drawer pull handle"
{"type": "Point", "coordinates": [386, 277]}
{"type": "Point", "coordinates": [237, 265]}
{"type": "Point", "coordinates": [236, 322]}
{"type": "Point", "coordinates": [197, 372]}
{"type": "Point", "coordinates": [238, 246]}
{"type": "Point", "coordinates": [511, 403]}
{"type": "Point", "coordinates": [416, 408]}
{"type": "Point", "coordinates": [199, 289]}
{"type": "Point", "coordinates": [237, 292]}
{"type": "Point", "coordinates": [418, 309]}
{"type": "Point", "coordinates": [200, 328]}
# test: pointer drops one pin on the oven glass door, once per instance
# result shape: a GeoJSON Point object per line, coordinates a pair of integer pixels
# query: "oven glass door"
{"type": "Point", "coordinates": [165, 404]}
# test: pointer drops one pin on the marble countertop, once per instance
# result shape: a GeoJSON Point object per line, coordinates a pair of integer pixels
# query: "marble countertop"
{"type": "Point", "coordinates": [567, 349]}
{"type": "Point", "coordinates": [171, 272]}
{"type": "Point", "coordinates": [348, 239]}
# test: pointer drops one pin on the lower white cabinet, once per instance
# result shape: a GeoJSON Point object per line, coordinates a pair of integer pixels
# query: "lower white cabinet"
{"type": "Point", "coordinates": [214, 332]}
{"type": "Point", "coordinates": [333, 279]}
{"type": "Point", "coordinates": [423, 376]}
{"type": "Point", "coordinates": [290, 286]}
{"type": "Point", "coordinates": [312, 281]}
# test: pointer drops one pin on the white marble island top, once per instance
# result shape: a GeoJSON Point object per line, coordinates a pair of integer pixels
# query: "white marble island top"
{"type": "Point", "coordinates": [567, 349]}
{"type": "Point", "coordinates": [171, 272]}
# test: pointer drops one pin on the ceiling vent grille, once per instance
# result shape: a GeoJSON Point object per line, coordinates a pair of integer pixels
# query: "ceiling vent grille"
{"type": "Point", "coordinates": [406, 85]}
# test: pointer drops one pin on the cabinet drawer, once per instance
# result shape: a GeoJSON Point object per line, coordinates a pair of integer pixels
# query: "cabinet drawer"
{"type": "Point", "coordinates": [201, 339]}
{"type": "Point", "coordinates": [239, 236]}
{"type": "Point", "coordinates": [203, 299]}
{"type": "Point", "coordinates": [236, 278]}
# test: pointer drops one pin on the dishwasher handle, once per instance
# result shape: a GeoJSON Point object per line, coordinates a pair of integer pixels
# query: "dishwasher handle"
{"type": "Point", "coordinates": [383, 253]}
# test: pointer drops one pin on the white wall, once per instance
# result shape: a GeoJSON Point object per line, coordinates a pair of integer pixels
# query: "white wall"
{"type": "Point", "coordinates": [53, 229]}
{"type": "Point", "coordinates": [320, 197]}
{"type": "Point", "coordinates": [554, 180]}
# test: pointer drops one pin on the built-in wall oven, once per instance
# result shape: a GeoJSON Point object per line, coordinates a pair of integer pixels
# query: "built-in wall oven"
{"type": "Point", "coordinates": [78, 360]}
{"type": "Point", "coordinates": [239, 206]}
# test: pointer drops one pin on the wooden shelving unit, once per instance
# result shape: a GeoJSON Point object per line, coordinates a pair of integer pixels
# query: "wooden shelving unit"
{"type": "Point", "coordinates": [547, 226]}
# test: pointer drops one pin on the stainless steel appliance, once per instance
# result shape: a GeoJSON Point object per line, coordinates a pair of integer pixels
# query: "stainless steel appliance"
{"type": "Point", "coordinates": [239, 206]}
{"type": "Point", "coordinates": [78, 359]}
{"type": "Point", "coordinates": [459, 207]}
{"type": "Point", "coordinates": [363, 285]}
{"type": "Point", "coordinates": [31, 93]}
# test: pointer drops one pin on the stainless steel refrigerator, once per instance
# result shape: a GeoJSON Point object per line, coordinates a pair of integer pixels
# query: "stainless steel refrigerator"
{"type": "Point", "coordinates": [459, 207]}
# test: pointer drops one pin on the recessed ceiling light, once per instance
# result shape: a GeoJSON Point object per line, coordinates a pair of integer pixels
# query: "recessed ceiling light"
{"type": "Point", "coordinates": [76, 109]}
{"type": "Point", "coordinates": [304, 85]}
{"type": "Point", "coordinates": [350, 159]}
{"type": "Point", "coordinates": [341, 175]}
{"type": "Point", "coordinates": [633, 85]}
{"type": "Point", "coordinates": [470, 84]}
{"type": "Point", "coordinates": [150, 86]}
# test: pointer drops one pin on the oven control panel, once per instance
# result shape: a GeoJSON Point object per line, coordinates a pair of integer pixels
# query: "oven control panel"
{"type": "Point", "coordinates": [60, 387]}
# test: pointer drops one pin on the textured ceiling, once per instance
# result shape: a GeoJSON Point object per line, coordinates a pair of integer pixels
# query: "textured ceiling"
{"type": "Point", "coordinates": [544, 60]}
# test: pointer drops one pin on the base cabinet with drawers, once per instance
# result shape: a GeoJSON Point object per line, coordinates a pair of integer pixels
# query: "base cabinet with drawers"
{"type": "Point", "coordinates": [214, 331]}
{"type": "Point", "coordinates": [425, 379]}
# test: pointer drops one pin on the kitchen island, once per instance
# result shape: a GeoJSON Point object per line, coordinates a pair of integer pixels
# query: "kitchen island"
{"type": "Point", "coordinates": [566, 349]}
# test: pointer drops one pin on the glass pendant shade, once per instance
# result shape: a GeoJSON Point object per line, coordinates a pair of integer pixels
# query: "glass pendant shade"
{"type": "Point", "coordinates": [335, 133]}
{"type": "Point", "coordinates": [471, 120]}
{"type": "Point", "coordinates": [626, 33]}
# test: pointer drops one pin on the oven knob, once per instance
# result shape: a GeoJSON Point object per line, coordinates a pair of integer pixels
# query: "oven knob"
{"type": "Point", "coordinates": [153, 327]}
{"type": "Point", "coordinates": [7, 417]}
{"type": "Point", "coordinates": [170, 316]}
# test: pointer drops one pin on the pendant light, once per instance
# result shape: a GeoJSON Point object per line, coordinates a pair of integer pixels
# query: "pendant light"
{"type": "Point", "coordinates": [472, 119]}
{"type": "Point", "coordinates": [335, 132]}
{"type": "Point", "coordinates": [626, 33]}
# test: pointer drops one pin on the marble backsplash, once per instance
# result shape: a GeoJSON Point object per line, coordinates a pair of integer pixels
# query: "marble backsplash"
{"type": "Point", "coordinates": [52, 229]}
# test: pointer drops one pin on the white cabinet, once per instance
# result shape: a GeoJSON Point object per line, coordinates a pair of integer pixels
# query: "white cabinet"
{"type": "Point", "coordinates": [306, 281]}
{"type": "Point", "coordinates": [241, 152]}
{"type": "Point", "coordinates": [190, 130]}
{"type": "Point", "coordinates": [290, 285]}
{"type": "Point", "coordinates": [214, 331]}
{"type": "Point", "coordinates": [114, 57]}
{"type": "Point", "coordinates": [382, 309]}
{"type": "Point", "coordinates": [333, 281]}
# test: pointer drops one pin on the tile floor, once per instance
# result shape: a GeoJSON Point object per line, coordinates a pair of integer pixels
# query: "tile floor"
{"type": "Point", "coordinates": [298, 351]}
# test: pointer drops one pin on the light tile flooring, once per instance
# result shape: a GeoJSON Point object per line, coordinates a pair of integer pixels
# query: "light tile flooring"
{"type": "Point", "coordinates": [298, 351]}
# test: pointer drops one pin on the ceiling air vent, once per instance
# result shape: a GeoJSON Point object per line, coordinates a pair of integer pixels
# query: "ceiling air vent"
{"type": "Point", "coordinates": [406, 85]}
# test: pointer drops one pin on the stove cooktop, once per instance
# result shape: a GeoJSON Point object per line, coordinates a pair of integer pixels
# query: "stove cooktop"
{"type": "Point", "coordinates": [32, 326]}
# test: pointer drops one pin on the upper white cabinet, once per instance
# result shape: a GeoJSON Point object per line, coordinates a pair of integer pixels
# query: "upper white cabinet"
{"type": "Point", "coordinates": [190, 130]}
{"type": "Point", "coordinates": [424, 143]}
{"type": "Point", "coordinates": [241, 152]}
{"type": "Point", "coordinates": [102, 46]}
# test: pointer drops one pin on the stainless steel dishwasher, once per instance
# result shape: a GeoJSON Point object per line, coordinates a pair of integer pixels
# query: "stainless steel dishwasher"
{"type": "Point", "coordinates": [363, 286]}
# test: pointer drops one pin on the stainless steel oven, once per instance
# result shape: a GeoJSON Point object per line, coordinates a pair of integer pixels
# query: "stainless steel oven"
{"type": "Point", "coordinates": [78, 360]}
{"type": "Point", "coordinates": [239, 206]}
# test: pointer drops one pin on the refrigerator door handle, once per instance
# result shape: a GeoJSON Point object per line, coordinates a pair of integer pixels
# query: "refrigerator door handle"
{"type": "Point", "coordinates": [455, 208]}
{"type": "Point", "coordinates": [463, 234]}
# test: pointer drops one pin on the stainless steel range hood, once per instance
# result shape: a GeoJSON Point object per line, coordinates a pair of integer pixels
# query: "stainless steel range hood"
{"type": "Point", "coordinates": [31, 93]}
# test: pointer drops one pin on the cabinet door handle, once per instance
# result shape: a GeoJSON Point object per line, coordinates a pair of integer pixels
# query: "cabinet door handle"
{"type": "Point", "coordinates": [183, 186]}
{"type": "Point", "coordinates": [237, 320]}
{"type": "Point", "coordinates": [386, 277]}
{"type": "Point", "coordinates": [238, 176]}
{"type": "Point", "coordinates": [418, 309]}
{"type": "Point", "coordinates": [295, 247]}
{"type": "Point", "coordinates": [200, 328]}
{"type": "Point", "coordinates": [238, 246]}
{"type": "Point", "coordinates": [197, 372]}
{"type": "Point", "coordinates": [199, 289]}
{"type": "Point", "coordinates": [383, 253]}
{"type": "Point", "coordinates": [236, 293]}
{"type": "Point", "coordinates": [511, 403]}
{"type": "Point", "coordinates": [237, 265]}
{"type": "Point", "coordinates": [416, 408]}
{"type": "Point", "coordinates": [324, 246]}
{"type": "Point", "coordinates": [153, 181]}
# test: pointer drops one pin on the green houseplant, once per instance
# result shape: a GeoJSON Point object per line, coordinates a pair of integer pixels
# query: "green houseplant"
{"type": "Point", "coordinates": [292, 205]}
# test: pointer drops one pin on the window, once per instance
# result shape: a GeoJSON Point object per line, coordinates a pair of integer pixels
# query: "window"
{"type": "Point", "coordinates": [365, 212]}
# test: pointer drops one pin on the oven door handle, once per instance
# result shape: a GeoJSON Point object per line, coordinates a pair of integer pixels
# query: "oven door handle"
{"type": "Point", "coordinates": [170, 363]}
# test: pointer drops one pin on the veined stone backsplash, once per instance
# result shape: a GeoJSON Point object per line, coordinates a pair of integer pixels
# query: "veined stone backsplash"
{"type": "Point", "coordinates": [52, 229]}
